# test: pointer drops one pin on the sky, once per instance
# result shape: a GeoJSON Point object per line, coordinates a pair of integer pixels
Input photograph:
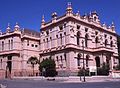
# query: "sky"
{"type": "Point", "coordinates": [28, 13]}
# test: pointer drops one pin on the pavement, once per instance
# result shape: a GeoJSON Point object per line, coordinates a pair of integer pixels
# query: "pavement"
{"type": "Point", "coordinates": [72, 79]}
{"type": "Point", "coordinates": [60, 82]}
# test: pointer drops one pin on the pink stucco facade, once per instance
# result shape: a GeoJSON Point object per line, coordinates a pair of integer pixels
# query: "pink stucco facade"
{"type": "Point", "coordinates": [60, 39]}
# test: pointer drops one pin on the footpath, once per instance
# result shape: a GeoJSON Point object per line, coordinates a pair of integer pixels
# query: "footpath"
{"type": "Point", "coordinates": [72, 79]}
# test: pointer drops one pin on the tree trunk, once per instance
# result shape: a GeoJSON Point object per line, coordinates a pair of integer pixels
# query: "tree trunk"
{"type": "Point", "coordinates": [33, 70]}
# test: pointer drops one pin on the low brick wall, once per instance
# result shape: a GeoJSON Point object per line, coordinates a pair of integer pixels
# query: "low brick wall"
{"type": "Point", "coordinates": [2, 74]}
{"type": "Point", "coordinates": [116, 74]}
{"type": "Point", "coordinates": [17, 73]}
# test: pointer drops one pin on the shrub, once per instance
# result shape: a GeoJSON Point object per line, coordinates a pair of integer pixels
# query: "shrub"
{"type": "Point", "coordinates": [117, 67]}
{"type": "Point", "coordinates": [81, 72]}
{"type": "Point", "coordinates": [49, 68]}
{"type": "Point", "coordinates": [104, 70]}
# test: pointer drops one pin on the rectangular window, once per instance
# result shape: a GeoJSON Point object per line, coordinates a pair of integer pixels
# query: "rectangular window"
{"type": "Point", "coordinates": [11, 44]}
{"type": "Point", "coordinates": [61, 59]}
{"type": "Point", "coordinates": [78, 61]}
{"type": "Point", "coordinates": [2, 45]}
{"type": "Point", "coordinates": [47, 43]}
{"type": "Point", "coordinates": [27, 42]}
{"type": "Point", "coordinates": [61, 39]}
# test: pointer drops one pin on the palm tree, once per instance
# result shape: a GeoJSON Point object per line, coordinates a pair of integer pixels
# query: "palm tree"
{"type": "Point", "coordinates": [33, 61]}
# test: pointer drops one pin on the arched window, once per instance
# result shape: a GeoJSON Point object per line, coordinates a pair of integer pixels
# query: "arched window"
{"type": "Point", "coordinates": [47, 32]}
{"type": "Point", "coordinates": [57, 59]}
{"type": "Point", "coordinates": [86, 40]}
{"type": "Point", "coordinates": [1, 63]}
{"type": "Point", "coordinates": [87, 59]}
{"type": "Point", "coordinates": [111, 44]}
{"type": "Point", "coordinates": [65, 56]}
{"type": "Point", "coordinates": [96, 39]}
{"type": "Point", "coordinates": [61, 39]}
{"type": "Point", "coordinates": [2, 45]}
{"type": "Point", "coordinates": [106, 42]}
{"type": "Point", "coordinates": [9, 44]}
{"type": "Point", "coordinates": [78, 26]}
{"type": "Point", "coordinates": [78, 37]}
{"type": "Point", "coordinates": [95, 18]}
{"type": "Point", "coordinates": [61, 59]}
{"type": "Point", "coordinates": [47, 43]}
{"type": "Point", "coordinates": [78, 59]}
{"type": "Point", "coordinates": [12, 44]}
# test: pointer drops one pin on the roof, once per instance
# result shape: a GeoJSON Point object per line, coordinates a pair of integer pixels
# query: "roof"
{"type": "Point", "coordinates": [30, 32]}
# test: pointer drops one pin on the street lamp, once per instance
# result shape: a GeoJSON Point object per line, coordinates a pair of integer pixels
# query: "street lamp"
{"type": "Point", "coordinates": [83, 62]}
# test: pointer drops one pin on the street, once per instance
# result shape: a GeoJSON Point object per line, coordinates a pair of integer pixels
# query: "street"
{"type": "Point", "coordinates": [56, 84]}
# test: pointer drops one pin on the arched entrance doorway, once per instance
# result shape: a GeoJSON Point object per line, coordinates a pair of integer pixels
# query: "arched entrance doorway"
{"type": "Point", "coordinates": [97, 60]}
{"type": "Point", "coordinates": [108, 61]}
{"type": "Point", "coordinates": [9, 67]}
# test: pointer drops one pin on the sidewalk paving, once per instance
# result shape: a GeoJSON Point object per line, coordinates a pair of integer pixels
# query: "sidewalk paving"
{"type": "Point", "coordinates": [72, 79]}
{"type": "Point", "coordinates": [92, 79]}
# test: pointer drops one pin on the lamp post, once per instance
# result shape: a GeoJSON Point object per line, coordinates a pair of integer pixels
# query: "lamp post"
{"type": "Point", "coordinates": [83, 62]}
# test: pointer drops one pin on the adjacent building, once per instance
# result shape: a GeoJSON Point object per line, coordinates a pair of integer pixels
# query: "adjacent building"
{"type": "Point", "coordinates": [68, 39]}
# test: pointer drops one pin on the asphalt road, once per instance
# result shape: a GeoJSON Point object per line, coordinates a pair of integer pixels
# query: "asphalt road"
{"type": "Point", "coordinates": [56, 84]}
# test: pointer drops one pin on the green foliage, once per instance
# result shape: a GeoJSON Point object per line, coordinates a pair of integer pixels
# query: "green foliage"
{"type": "Point", "coordinates": [104, 70]}
{"type": "Point", "coordinates": [32, 60]}
{"type": "Point", "coordinates": [117, 67]}
{"type": "Point", "coordinates": [81, 72]}
{"type": "Point", "coordinates": [49, 66]}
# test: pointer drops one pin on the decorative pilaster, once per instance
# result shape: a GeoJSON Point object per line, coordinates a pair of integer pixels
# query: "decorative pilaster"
{"type": "Point", "coordinates": [42, 22]}
{"type": "Point", "coordinates": [113, 26]}
{"type": "Point", "coordinates": [69, 9]}
{"type": "Point", "coordinates": [16, 27]}
{"type": "Point", "coordinates": [8, 28]}
{"type": "Point", "coordinates": [54, 17]}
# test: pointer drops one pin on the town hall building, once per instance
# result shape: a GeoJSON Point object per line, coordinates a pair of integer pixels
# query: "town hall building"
{"type": "Point", "coordinates": [69, 40]}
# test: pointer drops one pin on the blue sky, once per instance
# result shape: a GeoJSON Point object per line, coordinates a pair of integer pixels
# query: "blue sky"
{"type": "Point", "coordinates": [28, 13]}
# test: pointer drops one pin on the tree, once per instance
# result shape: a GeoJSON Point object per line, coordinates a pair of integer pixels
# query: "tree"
{"type": "Point", "coordinates": [49, 67]}
{"type": "Point", "coordinates": [33, 61]}
{"type": "Point", "coordinates": [104, 70]}
{"type": "Point", "coordinates": [81, 72]}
